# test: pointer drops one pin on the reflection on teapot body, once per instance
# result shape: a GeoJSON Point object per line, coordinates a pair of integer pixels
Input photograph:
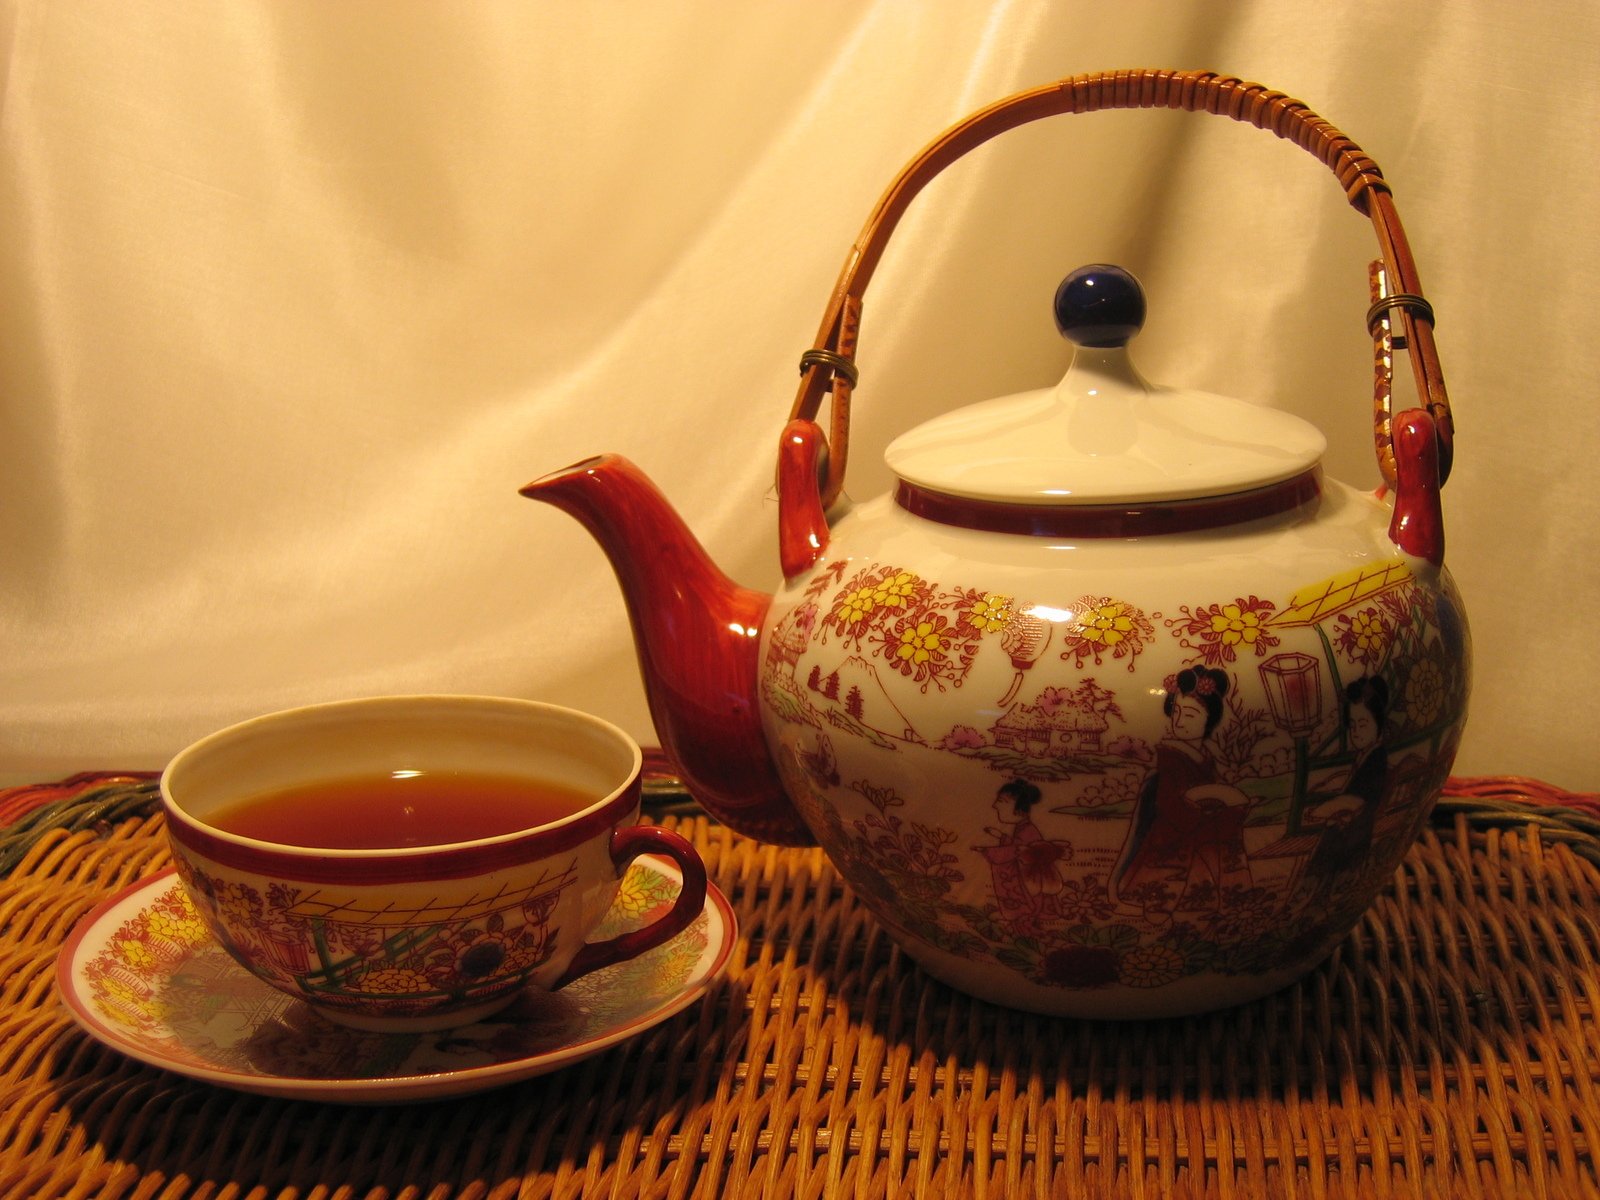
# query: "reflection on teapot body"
{"type": "Point", "coordinates": [1100, 717]}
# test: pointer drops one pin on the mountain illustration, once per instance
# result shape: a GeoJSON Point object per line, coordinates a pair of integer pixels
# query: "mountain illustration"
{"type": "Point", "coordinates": [852, 691]}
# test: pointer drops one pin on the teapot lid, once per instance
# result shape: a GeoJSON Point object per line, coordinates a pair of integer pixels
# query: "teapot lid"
{"type": "Point", "coordinates": [1104, 435]}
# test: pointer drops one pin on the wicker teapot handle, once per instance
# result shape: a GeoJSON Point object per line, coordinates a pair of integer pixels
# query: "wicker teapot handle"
{"type": "Point", "coordinates": [829, 366]}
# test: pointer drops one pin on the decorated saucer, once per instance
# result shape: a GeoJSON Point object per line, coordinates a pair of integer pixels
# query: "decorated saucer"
{"type": "Point", "coordinates": [143, 975]}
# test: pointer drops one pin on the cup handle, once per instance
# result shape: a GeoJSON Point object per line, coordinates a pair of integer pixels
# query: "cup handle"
{"type": "Point", "coordinates": [627, 844]}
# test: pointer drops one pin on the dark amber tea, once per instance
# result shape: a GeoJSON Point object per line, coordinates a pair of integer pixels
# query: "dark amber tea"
{"type": "Point", "coordinates": [400, 809]}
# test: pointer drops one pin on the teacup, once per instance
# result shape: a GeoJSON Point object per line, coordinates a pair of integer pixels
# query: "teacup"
{"type": "Point", "coordinates": [426, 936]}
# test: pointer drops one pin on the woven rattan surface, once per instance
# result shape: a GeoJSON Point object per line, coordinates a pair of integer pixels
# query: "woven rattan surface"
{"type": "Point", "coordinates": [1448, 1049]}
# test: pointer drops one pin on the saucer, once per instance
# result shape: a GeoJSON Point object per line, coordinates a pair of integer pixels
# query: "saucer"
{"type": "Point", "coordinates": [142, 974]}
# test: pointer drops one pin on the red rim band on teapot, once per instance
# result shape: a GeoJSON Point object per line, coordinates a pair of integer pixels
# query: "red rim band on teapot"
{"type": "Point", "coordinates": [1110, 520]}
{"type": "Point", "coordinates": [828, 366]}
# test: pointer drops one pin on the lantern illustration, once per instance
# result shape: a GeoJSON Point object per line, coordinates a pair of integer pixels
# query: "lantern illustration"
{"type": "Point", "coordinates": [1294, 690]}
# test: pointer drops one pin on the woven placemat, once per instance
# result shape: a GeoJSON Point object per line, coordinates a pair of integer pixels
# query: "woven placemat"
{"type": "Point", "coordinates": [1449, 1048]}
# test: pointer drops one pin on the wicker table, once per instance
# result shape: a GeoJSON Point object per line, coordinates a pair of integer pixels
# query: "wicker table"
{"type": "Point", "coordinates": [1449, 1048]}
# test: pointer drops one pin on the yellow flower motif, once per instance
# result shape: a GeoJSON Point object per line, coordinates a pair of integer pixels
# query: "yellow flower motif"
{"type": "Point", "coordinates": [186, 930]}
{"type": "Point", "coordinates": [1151, 966]}
{"type": "Point", "coordinates": [855, 607]}
{"type": "Point", "coordinates": [1366, 631]}
{"type": "Point", "coordinates": [921, 642]}
{"type": "Point", "coordinates": [894, 591]}
{"type": "Point", "coordinates": [633, 897]}
{"type": "Point", "coordinates": [120, 990]}
{"type": "Point", "coordinates": [132, 1010]}
{"type": "Point", "coordinates": [1108, 624]}
{"type": "Point", "coordinates": [136, 954]}
{"type": "Point", "coordinates": [1236, 626]}
{"type": "Point", "coordinates": [395, 980]}
{"type": "Point", "coordinates": [990, 614]}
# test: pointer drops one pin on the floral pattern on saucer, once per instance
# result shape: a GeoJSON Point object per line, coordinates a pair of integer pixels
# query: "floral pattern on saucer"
{"type": "Point", "coordinates": [144, 975]}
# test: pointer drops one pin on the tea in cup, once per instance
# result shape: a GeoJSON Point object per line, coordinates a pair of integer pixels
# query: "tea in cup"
{"type": "Point", "coordinates": [413, 862]}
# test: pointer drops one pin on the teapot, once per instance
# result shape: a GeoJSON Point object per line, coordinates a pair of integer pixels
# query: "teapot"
{"type": "Point", "coordinates": [1114, 707]}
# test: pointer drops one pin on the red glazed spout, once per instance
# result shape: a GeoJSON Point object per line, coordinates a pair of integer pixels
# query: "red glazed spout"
{"type": "Point", "coordinates": [697, 635]}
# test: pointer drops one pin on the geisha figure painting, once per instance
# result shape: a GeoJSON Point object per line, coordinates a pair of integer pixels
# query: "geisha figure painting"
{"type": "Point", "coordinates": [1026, 864]}
{"type": "Point", "coordinates": [1346, 822]}
{"type": "Point", "coordinates": [1186, 842]}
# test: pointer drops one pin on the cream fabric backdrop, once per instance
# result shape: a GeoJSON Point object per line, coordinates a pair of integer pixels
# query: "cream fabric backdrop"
{"type": "Point", "coordinates": [297, 294]}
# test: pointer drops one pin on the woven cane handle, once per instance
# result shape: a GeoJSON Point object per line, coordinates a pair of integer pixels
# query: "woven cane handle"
{"type": "Point", "coordinates": [829, 365]}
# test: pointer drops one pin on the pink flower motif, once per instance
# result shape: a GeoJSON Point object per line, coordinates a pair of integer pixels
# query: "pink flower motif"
{"type": "Point", "coordinates": [1052, 700]}
{"type": "Point", "coordinates": [962, 737]}
{"type": "Point", "coordinates": [805, 619]}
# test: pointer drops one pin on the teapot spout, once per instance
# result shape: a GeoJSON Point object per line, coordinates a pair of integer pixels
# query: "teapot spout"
{"type": "Point", "coordinates": [697, 635]}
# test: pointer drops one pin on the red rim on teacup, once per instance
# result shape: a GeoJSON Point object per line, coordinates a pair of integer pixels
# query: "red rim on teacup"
{"type": "Point", "coordinates": [209, 758]}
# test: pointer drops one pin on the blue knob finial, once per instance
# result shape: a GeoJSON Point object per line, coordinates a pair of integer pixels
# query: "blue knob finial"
{"type": "Point", "coordinates": [1099, 305]}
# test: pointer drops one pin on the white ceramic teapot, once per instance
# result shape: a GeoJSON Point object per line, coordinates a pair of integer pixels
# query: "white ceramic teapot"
{"type": "Point", "coordinates": [1114, 707]}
